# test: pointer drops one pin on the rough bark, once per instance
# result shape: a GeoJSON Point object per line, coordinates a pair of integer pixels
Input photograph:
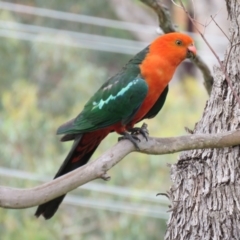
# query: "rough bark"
{"type": "Point", "coordinates": [205, 193]}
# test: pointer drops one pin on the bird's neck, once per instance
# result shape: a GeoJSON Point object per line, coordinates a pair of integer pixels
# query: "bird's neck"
{"type": "Point", "coordinates": [158, 71]}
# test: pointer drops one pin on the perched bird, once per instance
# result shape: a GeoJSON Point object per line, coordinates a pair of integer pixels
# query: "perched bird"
{"type": "Point", "coordinates": [137, 92]}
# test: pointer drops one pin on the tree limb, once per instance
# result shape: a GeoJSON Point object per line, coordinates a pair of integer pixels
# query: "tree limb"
{"type": "Point", "coordinates": [164, 17]}
{"type": "Point", "coordinates": [17, 198]}
{"type": "Point", "coordinates": [165, 23]}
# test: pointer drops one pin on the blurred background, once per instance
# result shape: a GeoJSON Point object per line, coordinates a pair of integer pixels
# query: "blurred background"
{"type": "Point", "coordinates": [53, 56]}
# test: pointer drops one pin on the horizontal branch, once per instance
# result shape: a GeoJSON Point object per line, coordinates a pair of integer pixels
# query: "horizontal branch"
{"type": "Point", "coordinates": [16, 198]}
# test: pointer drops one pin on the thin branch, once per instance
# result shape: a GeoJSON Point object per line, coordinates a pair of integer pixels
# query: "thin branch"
{"type": "Point", "coordinates": [214, 53]}
{"type": "Point", "coordinates": [231, 48]}
{"type": "Point", "coordinates": [16, 198]}
{"type": "Point", "coordinates": [165, 23]}
{"type": "Point", "coordinates": [228, 56]}
{"type": "Point", "coordinates": [213, 19]}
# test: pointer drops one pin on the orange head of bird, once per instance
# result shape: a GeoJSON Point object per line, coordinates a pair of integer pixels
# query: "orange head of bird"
{"type": "Point", "coordinates": [174, 47]}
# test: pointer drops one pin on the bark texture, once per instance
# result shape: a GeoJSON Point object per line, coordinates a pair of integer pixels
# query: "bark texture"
{"type": "Point", "coordinates": [205, 194]}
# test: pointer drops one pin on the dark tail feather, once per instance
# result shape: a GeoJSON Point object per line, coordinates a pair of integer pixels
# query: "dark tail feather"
{"type": "Point", "coordinates": [83, 147]}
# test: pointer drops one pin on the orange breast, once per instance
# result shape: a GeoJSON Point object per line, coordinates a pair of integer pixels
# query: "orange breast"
{"type": "Point", "coordinates": [157, 73]}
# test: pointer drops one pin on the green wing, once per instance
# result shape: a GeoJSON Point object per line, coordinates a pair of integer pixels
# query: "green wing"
{"type": "Point", "coordinates": [116, 101]}
{"type": "Point", "coordinates": [112, 104]}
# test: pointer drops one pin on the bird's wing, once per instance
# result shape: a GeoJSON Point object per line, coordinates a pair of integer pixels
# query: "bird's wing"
{"type": "Point", "coordinates": [116, 101]}
{"type": "Point", "coordinates": [158, 105]}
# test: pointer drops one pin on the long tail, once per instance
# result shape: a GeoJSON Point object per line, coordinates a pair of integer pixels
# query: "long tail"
{"type": "Point", "coordinates": [83, 147]}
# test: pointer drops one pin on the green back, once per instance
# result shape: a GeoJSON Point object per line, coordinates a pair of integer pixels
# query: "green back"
{"type": "Point", "coordinates": [117, 100]}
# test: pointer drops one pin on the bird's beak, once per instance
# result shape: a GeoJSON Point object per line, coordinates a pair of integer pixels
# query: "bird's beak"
{"type": "Point", "coordinates": [191, 51]}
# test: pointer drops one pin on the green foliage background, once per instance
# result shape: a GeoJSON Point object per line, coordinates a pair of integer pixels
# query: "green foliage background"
{"type": "Point", "coordinates": [42, 86]}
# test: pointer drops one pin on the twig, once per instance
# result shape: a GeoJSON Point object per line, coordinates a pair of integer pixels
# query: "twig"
{"type": "Point", "coordinates": [214, 53]}
{"type": "Point", "coordinates": [165, 23]}
{"type": "Point", "coordinates": [220, 27]}
{"type": "Point", "coordinates": [16, 198]}
{"type": "Point", "coordinates": [232, 46]}
{"type": "Point", "coordinates": [228, 56]}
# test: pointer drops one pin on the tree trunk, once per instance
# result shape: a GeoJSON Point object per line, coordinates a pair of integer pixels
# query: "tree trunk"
{"type": "Point", "coordinates": [205, 193]}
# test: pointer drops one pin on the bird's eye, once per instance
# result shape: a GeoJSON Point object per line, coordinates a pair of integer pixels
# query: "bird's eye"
{"type": "Point", "coordinates": [178, 42]}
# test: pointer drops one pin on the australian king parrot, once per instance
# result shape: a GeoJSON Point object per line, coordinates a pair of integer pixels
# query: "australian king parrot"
{"type": "Point", "coordinates": [136, 92]}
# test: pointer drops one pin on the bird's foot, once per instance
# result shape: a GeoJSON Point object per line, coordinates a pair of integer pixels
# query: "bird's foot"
{"type": "Point", "coordinates": [132, 138]}
{"type": "Point", "coordinates": [140, 130]}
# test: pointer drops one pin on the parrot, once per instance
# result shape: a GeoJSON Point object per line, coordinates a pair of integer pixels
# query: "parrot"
{"type": "Point", "coordinates": [138, 91]}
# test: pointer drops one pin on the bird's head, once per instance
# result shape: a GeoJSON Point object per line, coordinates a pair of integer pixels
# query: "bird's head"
{"type": "Point", "coordinates": [174, 46]}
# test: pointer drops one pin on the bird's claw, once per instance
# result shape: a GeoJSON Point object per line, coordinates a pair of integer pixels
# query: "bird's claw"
{"type": "Point", "coordinates": [132, 138]}
{"type": "Point", "coordinates": [140, 130]}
